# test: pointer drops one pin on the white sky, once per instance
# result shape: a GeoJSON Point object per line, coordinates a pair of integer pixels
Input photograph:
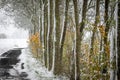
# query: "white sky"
{"type": "Point", "coordinates": [7, 27]}
{"type": "Point", "coordinates": [13, 32]}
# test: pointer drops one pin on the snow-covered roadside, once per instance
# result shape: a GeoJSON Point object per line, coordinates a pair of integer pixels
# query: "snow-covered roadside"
{"type": "Point", "coordinates": [7, 44]}
{"type": "Point", "coordinates": [35, 70]}
{"type": "Point", "coordinates": [33, 67]}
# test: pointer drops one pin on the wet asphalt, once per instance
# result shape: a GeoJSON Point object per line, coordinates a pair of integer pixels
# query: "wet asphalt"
{"type": "Point", "coordinates": [7, 61]}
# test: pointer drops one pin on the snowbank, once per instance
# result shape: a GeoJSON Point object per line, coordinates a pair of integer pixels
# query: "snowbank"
{"type": "Point", "coordinates": [35, 70]}
{"type": "Point", "coordinates": [7, 44]}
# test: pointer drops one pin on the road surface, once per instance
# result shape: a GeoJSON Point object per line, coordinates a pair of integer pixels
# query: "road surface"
{"type": "Point", "coordinates": [7, 61]}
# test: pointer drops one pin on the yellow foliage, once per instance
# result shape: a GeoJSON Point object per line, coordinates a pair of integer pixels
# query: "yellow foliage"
{"type": "Point", "coordinates": [102, 30]}
{"type": "Point", "coordinates": [35, 44]}
{"type": "Point", "coordinates": [34, 38]}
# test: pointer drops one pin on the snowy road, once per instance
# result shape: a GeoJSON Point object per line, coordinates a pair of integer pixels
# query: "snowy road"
{"type": "Point", "coordinates": [7, 44]}
{"type": "Point", "coordinates": [7, 62]}
{"type": "Point", "coordinates": [28, 66]}
{"type": "Point", "coordinates": [10, 50]}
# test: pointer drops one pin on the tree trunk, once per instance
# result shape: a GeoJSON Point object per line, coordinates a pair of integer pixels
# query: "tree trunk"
{"type": "Point", "coordinates": [106, 52]}
{"type": "Point", "coordinates": [51, 35]}
{"type": "Point", "coordinates": [72, 66]}
{"type": "Point", "coordinates": [94, 30]}
{"type": "Point", "coordinates": [65, 27]}
{"type": "Point", "coordinates": [42, 33]}
{"type": "Point", "coordinates": [58, 62]}
{"type": "Point", "coordinates": [45, 30]}
{"type": "Point", "coordinates": [95, 26]}
{"type": "Point", "coordinates": [79, 33]}
{"type": "Point", "coordinates": [113, 54]}
{"type": "Point", "coordinates": [78, 42]}
{"type": "Point", "coordinates": [118, 41]}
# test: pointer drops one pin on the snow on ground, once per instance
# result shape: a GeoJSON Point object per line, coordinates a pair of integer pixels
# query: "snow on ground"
{"type": "Point", "coordinates": [33, 67]}
{"type": "Point", "coordinates": [7, 44]}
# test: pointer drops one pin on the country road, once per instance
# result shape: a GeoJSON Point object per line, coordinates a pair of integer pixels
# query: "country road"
{"type": "Point", "coordinates": [7, 61]}
{"type": "Point", "coordinates": [18, 63]}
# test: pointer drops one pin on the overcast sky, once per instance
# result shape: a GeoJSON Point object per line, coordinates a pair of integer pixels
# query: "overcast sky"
{"type": "Point", "coordinates": [7, 27]}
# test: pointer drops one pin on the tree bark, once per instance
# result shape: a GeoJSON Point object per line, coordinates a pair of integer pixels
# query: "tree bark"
{"type": "Point", "coordinates": [97, 14]}
{"type": "Point", "coordinates": [78, 41]}
{"type": "Point", "coordinates": [45, 31]}
{"type": "Point", "coordinates": [58, 62]}
{"type": "Point", "coordinates": [118, 41]}
{"type": "Point", "coordinates": [51, 35]}
{"type": "Point", "coordinates": [95, 26]}
{"type": "Point", "coordinates": [106, 52]}
{"type": "Point", "coordinates": [79, 33]}
{"type": "Point", "coordinates": [65, 27]}
{"type": "Point", "coordinates": [113, 54]}
{"type": "Point", "coordinates": [72, 66]}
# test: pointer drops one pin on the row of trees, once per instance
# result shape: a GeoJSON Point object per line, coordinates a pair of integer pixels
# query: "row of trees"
{"type": "Point", "coordinates": [79, 38]}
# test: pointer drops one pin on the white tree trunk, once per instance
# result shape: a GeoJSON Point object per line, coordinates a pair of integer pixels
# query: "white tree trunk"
{"type": "Point", "coordinates": [54, 37]}
{"type": "Point", "coordinates": [112, 55]}
{"type": "Point", "coordinates": [48, 33]}
{"type": "Point", "coordinates": [43, 45]}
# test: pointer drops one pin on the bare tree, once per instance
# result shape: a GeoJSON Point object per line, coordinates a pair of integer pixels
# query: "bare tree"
{"type": "Point", "coordinates": [50, 40]}
{"type": "Point", "coordinates": [79, 34]}
{"type": "Point", "coordinates": [95, 25]}
{"type": "Point", "coordinates": [58, 62]}
{"type": "Point", "coordinates": [106, 52]}
{"type": "Point", "coordinates": [65, 27]}
{"type": "Point", "coordinates": [118, 40]}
